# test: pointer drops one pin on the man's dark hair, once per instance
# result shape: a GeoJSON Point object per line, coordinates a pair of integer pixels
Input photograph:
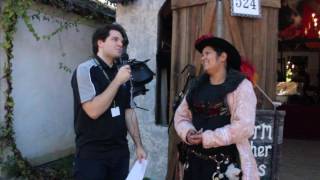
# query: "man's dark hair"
{"type": "Point", "coordinates": [103, 32]}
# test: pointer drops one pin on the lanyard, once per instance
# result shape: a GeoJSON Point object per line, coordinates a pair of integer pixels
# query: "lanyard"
{"type": "Point", "coordinates": [132, 104]}
{"type": "Point", "coordinates": [106, 75]}
{"type": "Point", "coordinates": [104, 72]}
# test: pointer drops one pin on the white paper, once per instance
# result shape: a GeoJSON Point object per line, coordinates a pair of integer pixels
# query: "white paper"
{"type": "Point", "coordinates": [138, 170]}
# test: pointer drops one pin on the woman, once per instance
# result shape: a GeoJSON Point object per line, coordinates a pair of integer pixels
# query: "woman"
{"type": "Point", "coordinates": [216, 118]}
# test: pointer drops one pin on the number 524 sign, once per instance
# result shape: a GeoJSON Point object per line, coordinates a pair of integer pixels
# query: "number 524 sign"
{"type": "Point", "coordinates": [247, 8]}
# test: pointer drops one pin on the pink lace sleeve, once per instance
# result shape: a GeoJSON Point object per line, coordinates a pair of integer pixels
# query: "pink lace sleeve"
{"type": "Point", "coordinates": [183, 120]}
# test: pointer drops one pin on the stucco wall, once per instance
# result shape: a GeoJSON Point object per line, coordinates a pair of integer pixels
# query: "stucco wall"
{"type": "Point", "coordinates": [141, 22]}
{"type": "Point", "coordinates": [43, 112]}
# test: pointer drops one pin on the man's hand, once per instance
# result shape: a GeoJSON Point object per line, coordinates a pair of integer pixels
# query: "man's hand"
{"type": "Point", "coordinates": [123, 74]}
{"type": "Point", "coordinates": [133, 128]}
{"type": "Point", "coordinates": [194, 137]}
{"type": "Point", "coordinates": [100, 103]}
{"type": "Point", "coordinates": [141, 154]}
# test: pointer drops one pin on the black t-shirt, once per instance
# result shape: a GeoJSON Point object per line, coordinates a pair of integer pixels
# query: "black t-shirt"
{"type": "Point", "coordinates": [209, 108]}
{"type": "Point", "coordinates": [106, 135]}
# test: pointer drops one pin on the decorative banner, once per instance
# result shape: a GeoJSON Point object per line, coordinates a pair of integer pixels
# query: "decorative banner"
{"type": "Point", "coordinates": [246, 8]}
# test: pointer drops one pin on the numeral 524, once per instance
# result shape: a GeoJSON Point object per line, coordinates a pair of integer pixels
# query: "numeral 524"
{"type": "Point", "coordinates": [248, 4]}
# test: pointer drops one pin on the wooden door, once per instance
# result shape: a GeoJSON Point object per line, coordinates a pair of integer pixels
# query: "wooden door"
{"type": "Point", "coordinates": [256, 39]}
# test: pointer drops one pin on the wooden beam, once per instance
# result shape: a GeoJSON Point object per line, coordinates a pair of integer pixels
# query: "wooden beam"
{"type": "Point", "coordinates": [271, 3]}
{"type": "Point", "coordinates": [208, 20]}
{"type": "Point", "coordinates": [177, 4]}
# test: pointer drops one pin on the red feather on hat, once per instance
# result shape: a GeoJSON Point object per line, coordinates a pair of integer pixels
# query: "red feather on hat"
{"type": "Point", "coordinates": [248, 70]}
{"type": "Point", "coordinates": [203, 37]}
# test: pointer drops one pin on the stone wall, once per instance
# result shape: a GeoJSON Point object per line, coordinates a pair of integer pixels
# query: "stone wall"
{"type": "Point", "coordinates": [141, 22]}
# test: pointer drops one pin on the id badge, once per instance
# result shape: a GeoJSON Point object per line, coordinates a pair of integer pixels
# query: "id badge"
{"type": "Point", "coordinates": [115, 111]}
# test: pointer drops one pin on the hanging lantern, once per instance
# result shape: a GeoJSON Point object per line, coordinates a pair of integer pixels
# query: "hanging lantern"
{"type": "Point", "coordinates": [305, 24]}
{"type": "Point", "coordinates": [310, 22]}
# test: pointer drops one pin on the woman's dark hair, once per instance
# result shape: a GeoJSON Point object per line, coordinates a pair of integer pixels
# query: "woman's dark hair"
{"type": "Point", "coordinates": [218, 51]}
{"type": "Point", "coordinates": [103, 32]}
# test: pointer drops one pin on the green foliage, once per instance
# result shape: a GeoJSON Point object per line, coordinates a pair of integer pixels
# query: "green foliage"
{"type": "Point", "coordinates": [59, 168]}
{"type": "Point", "coordinates": [64, 67]}
{"type": "Point", "coordinates": [11, 11]}
{"type": "Point", "coordinates": [124, 2]}
{"type": "Point", "coordinates": [15, 165]}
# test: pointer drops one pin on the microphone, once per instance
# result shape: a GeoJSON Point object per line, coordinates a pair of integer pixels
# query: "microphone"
{"type": "Point", "coordinates": [191, 70]}
{"type": "Point", "coordinates": [124, 58]}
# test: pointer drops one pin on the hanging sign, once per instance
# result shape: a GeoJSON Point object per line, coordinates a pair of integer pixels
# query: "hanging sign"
{"type": "Point", "coordinates": [246, 8]}
{"type": "Point", "coordinates": [263, 142]}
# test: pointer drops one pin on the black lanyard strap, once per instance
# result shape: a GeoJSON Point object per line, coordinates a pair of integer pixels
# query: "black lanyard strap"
{"type": "Point", "coordinates": [103, 71]}
{"type": "Point", "coordinates": [106, 75]}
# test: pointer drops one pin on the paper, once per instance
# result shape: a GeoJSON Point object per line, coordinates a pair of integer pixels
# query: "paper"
{"type": "Point", "coordinates": [138, 170]}
{"type": "Point", "coordinates": [115, 111]}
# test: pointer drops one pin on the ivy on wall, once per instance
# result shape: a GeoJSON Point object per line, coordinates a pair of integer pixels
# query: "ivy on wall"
{"type": "Point", "coordinates": [11, 161]}
{"type": "Point", "coordinates": [13, 164]}
{"type": "Point", "coordinates": [124, 2]}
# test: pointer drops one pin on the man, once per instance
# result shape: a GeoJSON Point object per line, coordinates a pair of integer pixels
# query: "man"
{"type": "Point", "coordinates": [102, 110]}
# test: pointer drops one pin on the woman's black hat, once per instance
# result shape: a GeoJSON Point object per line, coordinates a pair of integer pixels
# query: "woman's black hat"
{"type": "Point", "coordinates": [234, 58]}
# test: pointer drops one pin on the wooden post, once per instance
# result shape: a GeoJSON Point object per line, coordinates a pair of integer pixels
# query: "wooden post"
{"type": "Point", "coordinates": [256, 39]}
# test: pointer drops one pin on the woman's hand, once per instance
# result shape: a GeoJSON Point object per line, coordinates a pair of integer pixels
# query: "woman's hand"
{"type": "Point", "coordinates": [194, 137]}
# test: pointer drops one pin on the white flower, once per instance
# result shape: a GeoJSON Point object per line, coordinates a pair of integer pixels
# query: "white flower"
{"type": "Point", "coordinates": [232, 172]}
